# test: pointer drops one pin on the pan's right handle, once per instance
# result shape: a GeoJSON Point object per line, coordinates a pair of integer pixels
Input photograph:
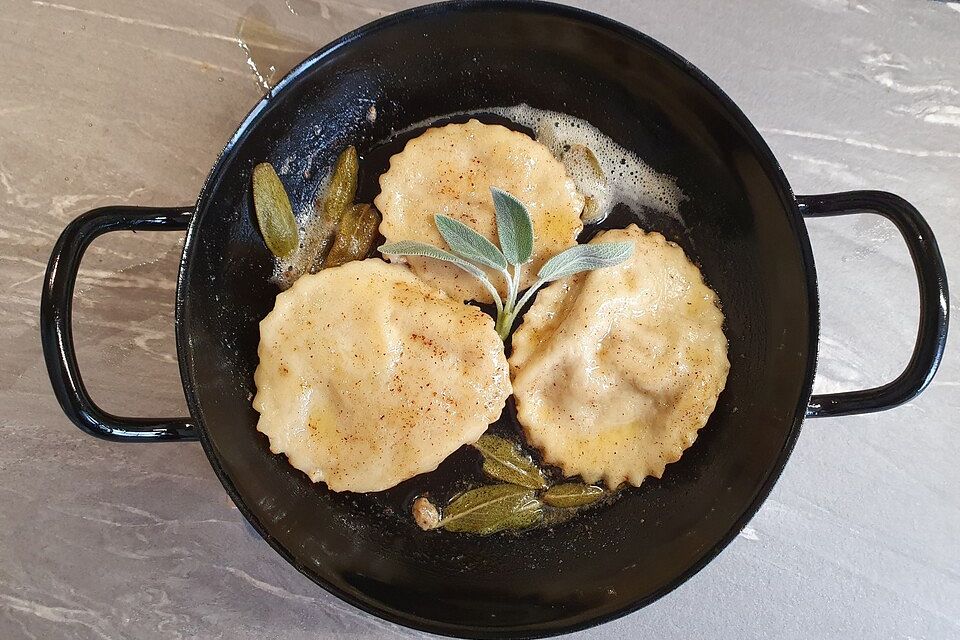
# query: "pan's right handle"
{"type": "Point", "coordinates": [934, 305]}
{"type": "Point", "coordinates": [56, 330]}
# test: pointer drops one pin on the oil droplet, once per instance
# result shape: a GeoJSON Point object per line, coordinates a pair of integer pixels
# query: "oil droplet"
{"type": "Point", "coordinates": [304, 7]}
{"type": "Point", "coordinates": [270, 53]}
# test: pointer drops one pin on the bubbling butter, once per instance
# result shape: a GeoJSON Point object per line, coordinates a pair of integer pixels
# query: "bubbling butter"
{"type": "Point", "coordinates": [626, 179]}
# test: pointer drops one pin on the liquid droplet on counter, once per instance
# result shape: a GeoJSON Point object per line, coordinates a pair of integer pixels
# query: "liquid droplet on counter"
{"type": "Point", "coordinates": [304, 8]}
{"type": "Point", "coordinates": [270, 53]}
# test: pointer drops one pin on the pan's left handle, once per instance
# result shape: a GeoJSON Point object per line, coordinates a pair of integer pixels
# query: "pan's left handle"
{"type": "Point", "coordinates": [56, 331]}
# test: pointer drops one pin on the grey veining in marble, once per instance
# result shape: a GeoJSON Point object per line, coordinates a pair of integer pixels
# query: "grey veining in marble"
{"type": "Point", "coordinates": [110, 102]}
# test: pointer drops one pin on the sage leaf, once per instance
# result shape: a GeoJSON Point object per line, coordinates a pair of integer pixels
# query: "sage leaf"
{"type": "Point", "coordinates": [493, 508]}
{"type": "Point", "coordinates": [514, 227]}
{"type": "Point", "coordinates": [331, 207]}
{"type": "Point", "coordinates": [469, 244]}
{"type": "Point", "coordinates": [572, 494]}
{"type": "Point", "coordinates": [274, 213]}
{"type": "Point", "coordinates": [355, 236]}
{"type": "Point", "coordinates": [414, 248]}
{"type": "Point", "coordinates": [343, 185]}
{"type": "Point", "coordinates": [584, 257]}
{"type": "Point", "coordinates": [587, 173]}
{"type": "Point", "coordinates": [505, 461]}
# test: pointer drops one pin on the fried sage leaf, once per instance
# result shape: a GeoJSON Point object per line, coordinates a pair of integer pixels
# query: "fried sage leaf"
{"type": "Point", "coordinates": [505, 461]}
{"type": "Point", "coordinates": [330, 207]}
{"type": "Point", "coordinates": [343, 185]}
{"type": "Point", "coordinates": [572, 494]}
{"type": "Point", "coordinates": [274, 213]}
{"type": "Point", "coordinates": [493, 508]}
{"type": "Point", "coordinates": [582, 164]}
{"type": "Point", "coordinates": [355, 237]}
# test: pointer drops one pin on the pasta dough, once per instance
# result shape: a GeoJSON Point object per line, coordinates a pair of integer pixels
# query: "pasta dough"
{"type": "Point", "coordinates": [450, 170]}
{"type": "Point", "coordinates": [369, 376]}
{"type": "Point", "coordinates": [615, 370]}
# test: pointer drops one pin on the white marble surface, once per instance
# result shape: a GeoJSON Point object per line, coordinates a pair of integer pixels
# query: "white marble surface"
{"type": "Point", "coordinates": [130, 101]}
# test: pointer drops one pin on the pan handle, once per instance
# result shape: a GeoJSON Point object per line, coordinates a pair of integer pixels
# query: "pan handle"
{"type": "Point", "coordinates": [934, 305]}
{"type": "Point", "coordinates": [56, 329]}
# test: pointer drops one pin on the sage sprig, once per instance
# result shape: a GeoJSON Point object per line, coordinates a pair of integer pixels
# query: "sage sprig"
{"type": "Point", "coordinates": [515, 233]}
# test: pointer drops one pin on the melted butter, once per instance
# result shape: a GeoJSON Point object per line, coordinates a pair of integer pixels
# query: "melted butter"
{"type": "Point", "coordinates": [316, 235]}
{"type": "Point", "coordinates": [628, 179]}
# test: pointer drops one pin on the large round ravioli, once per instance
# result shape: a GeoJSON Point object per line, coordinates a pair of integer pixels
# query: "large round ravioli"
{"type": "Point", "coordinates": [450, 170]}
{"type": "Point", "coordinates": [369, 376]}
{"type": "Point", "coordinates": [615, 370]}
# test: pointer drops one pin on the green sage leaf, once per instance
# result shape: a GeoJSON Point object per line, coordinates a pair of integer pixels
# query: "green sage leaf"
{"type": "Point", "coordinates": [413, 248]}
{"type": "Point", "coordinates": [493, 508]}
{"type": "Point", "coordinates": [505, 461]}
{"type": "Point", "coordinates": [274, 213]}
{"type": "Point", "coordinates": [514, 227]}
{"type": "Point", "coordinates": [469, 244]}
{"type": "Point", "coordinates": [572, 494]}
{"type": "Point", "coordinates": [342, 188]}
{"type": "Point", "coordinates": [584, 257]}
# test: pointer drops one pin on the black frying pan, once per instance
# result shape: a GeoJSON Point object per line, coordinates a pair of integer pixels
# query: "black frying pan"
{"type": "Point", "coordinates": [744, 227]}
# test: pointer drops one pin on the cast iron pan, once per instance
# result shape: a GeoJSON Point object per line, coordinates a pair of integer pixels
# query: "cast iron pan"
{"type": "Point", "coordinates": [743, 226]}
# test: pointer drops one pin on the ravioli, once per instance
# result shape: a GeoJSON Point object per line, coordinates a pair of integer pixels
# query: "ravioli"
{"type": "Point", "coordinates": [615, 370]}
{"type": "Point", "coordinates": [450, 170]}
{"type": "Point", "coordinates": [369, 376]}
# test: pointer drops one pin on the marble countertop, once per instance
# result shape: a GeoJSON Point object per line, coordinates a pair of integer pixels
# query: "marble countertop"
{"type": "Point", "coordinates": [109, 102]}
